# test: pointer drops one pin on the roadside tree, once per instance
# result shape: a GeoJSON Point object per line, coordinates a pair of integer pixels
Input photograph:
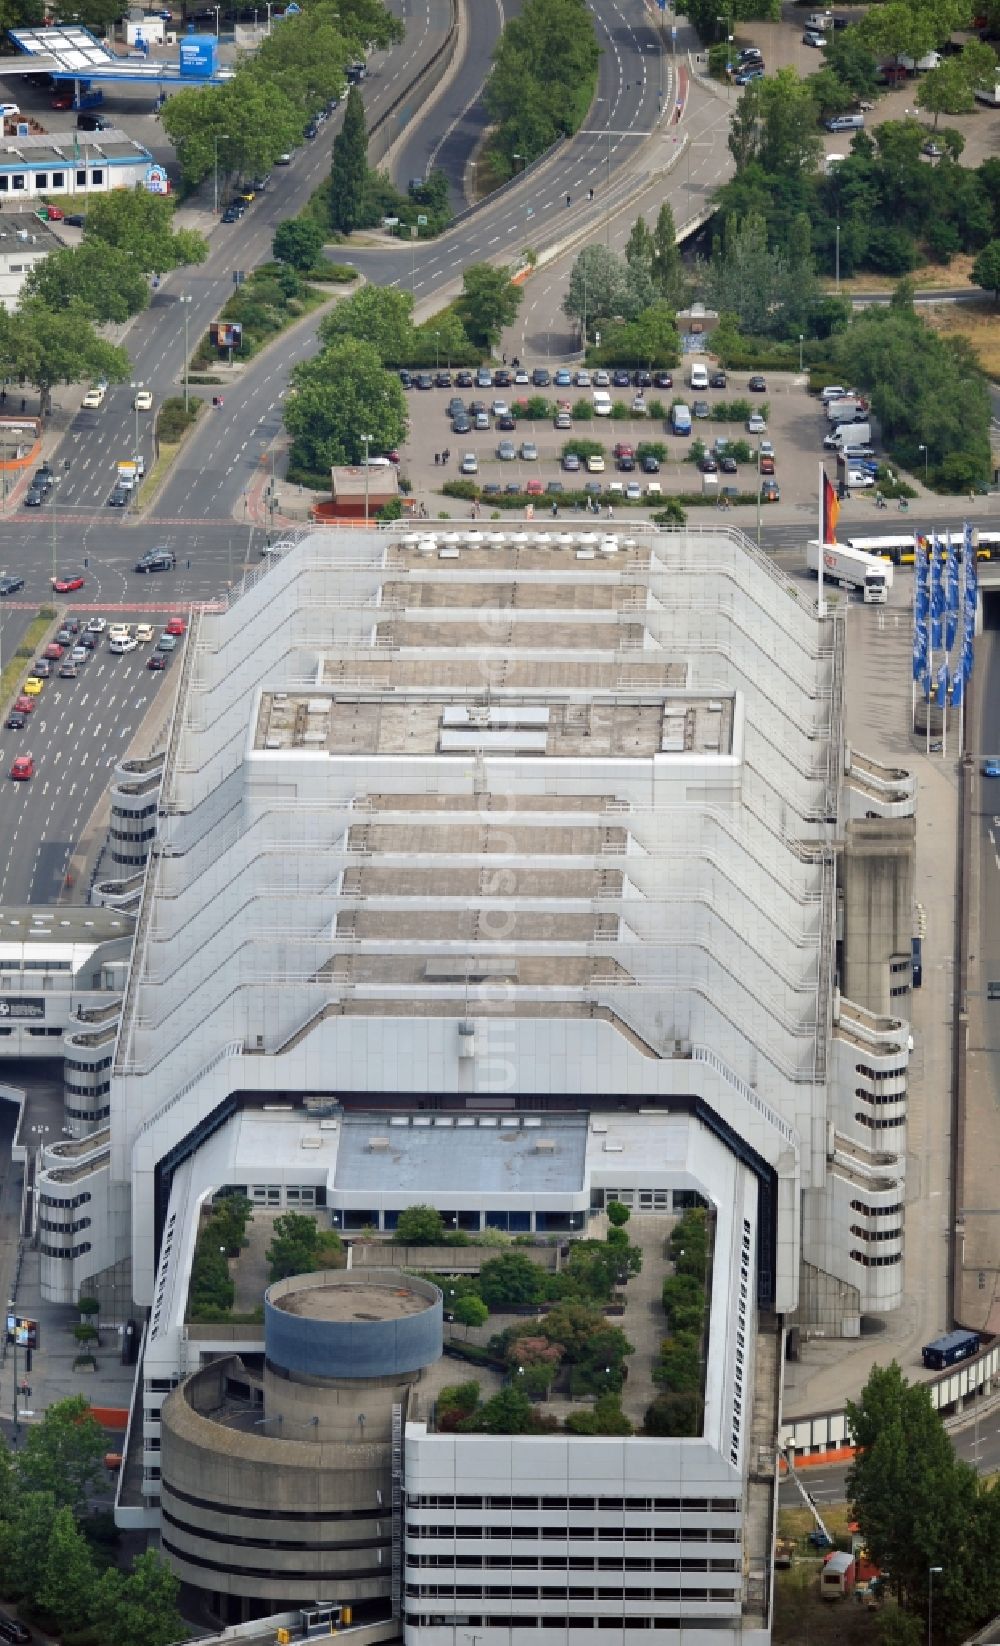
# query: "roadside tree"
{"type": "Point", "coordinates": [140, 224]}
{"type": "Point", "coordinates": [64, 1454]}
{"type": "Point", "coordinates": [350, 168]}
{"type": "Point", "coordinates": [69, 1580]}
{"type": "Point", "coordinates": [986, 269]}
{"type": "Point", "coordinates": [105, 282]}
{"type": "Point", "coordinates": [298, 241]}
{"type": "Point", "coordinates": [47, 346]}
{"type": "Point", "coordinates": [488, 303]}
{"type": "Point", "coordinates": [336, 397]}
{"type": "Point", "coordinates": [379, 315]}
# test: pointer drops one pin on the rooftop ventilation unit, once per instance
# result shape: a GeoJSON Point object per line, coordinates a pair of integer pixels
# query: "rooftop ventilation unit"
{"type": "Point", "coordinates": [378, 1145]}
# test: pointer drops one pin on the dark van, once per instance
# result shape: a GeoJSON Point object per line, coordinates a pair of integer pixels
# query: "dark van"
{"type": "Point", "coordinates": [92, 122]}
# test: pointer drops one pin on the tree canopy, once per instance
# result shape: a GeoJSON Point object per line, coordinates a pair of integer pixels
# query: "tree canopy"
{"type": "Point", "coordinates": [350, 168]}
{"type": "Point", "coordinates": [140, 224]}
{"type": "Point", "coordinates": [338, 396]}
{"type": "Point", "coordinates": [543, 78]}
{"type": "Point", "coordinates": [104, 282]}
{"type": "Point", "coordinates": [488, 303]}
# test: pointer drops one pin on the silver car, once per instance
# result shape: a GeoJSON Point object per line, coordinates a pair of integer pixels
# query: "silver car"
{"type": "Point", "coordinates": [529, 451]}
{"type": "Point", "coordinates": [506, 451]}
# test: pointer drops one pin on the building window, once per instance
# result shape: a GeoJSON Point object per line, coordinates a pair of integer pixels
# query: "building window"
{"type": "Point", "coordinates": [58, 179]}
{"type": "Point", "coordinates": [97, 176]}
{"type": "Point", "coordinates": [81, 179]}
{"type": "Point", "coordinates": [4, 184]}
{"type": "Point", "coordinates": [41, 180]}
{"type": "Point", "coordinates": [19, 182]}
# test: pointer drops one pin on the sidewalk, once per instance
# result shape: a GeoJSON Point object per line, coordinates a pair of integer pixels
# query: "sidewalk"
{"type": "Point", "coordinates": [879, 650]}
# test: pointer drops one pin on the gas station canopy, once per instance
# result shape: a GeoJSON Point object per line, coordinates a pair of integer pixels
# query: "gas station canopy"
{"type": "Point", "coordinates": [73, 53]}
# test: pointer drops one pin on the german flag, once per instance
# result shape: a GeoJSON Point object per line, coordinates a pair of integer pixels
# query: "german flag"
{"type": "Point", "coordinates": [831, 511]}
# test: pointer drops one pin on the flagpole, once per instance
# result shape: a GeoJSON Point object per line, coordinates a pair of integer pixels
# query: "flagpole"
{"type": "Point", "coordinates": [821, 534]}
{"type": "Point", "coordinates": [930, 645]}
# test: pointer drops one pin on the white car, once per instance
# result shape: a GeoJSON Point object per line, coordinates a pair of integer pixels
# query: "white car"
{"type": "Point", "coordinates": [122, 643]}
{"type": "Point", "coordinates": [144, 633]}
{"type": "Point", "coordinates": [858, 479]}
{"type": "Point", "coordinates": [602, 403]}
{"type": "Point", "coordinates": [97, 625]}
{"type": "Point", "coordinates": [143, 400]}
{"type": "Point", "coordinates": [755, 423]}
{"type": "Point", "coordinates": [595, 463]}
{"type": "Point", "coordinates": [766, 448]}
{"type": "Point", "coordinates": [633, 491]}
{"type": "Point", "coordinates": [639, 406]}
{"type": "Point", "coordinates": [119, 631]}
{"type": "Point", "coordinates": [470, 463]}
{"type": "Point", "coordinates": [93, 400]}
{"type": "Point", "coordinates": [833, 391]}
{"type": "Point", "coordinates": [583, 379]}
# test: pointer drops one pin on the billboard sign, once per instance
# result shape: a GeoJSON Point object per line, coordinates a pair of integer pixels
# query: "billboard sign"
{"type": "Point", "coordinates": [156, 180]}
{"type": "Point", "coordinates": [20, 1006]}
{"type": "Point", "coordinates": [22, 1331]}
{"type": "Point", "coordinates": [226, 334]}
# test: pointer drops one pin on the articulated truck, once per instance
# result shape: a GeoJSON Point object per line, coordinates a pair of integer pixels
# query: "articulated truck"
{"type": "Point", "coordinates": [867, 572]}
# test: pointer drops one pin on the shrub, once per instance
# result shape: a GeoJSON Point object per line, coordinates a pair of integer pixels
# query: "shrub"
{"type": "Point", "coordinates": [419, 1226]}
{"type": "Point", "coordinates": [651, 448]}
{"type": "Point", "coordinates": [582, 448]}
{"type": "Point", "coordinates": [173, 422]}
{"type": "Point", "coordinates": [620, 409]}
{"type": "Point", "coordinates": [583, 411]}
{"type": "Point", "coordinates": [670, 1415]}
{"type": "Point", "coordinates": [674, 514]}
{"type": "Point", "coordinates": [466, 490]}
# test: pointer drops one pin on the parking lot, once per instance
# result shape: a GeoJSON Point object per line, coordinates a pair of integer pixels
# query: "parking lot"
{"type": "Point", "coordinates": [796, 424]}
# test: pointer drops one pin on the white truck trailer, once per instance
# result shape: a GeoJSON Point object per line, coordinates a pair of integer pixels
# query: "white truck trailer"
{"type": "Point", "coordinates": [866, 572]}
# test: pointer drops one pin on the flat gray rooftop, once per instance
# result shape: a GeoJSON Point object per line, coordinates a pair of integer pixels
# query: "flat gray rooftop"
{"type": "Point", "coordinates": [462, 1155]}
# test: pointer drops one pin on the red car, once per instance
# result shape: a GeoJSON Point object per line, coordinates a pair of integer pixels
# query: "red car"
{"type": "Point", "coordinates": [534, 488]}
{"type": "Point", "coordinates": [53, 652]}
{"type": "Point", "coordinates": [68, 582]}
{"type": "Point", "coordinates": [157, 661]}
{"type": "Point", "coordinates": [23, 768]}
{"type": "Point", "coordinates": [24, 705]}
{"type": "Point", "coordinates": [767, 465]}
{"type": "Point", "coordinates": [175, 626]}
{"type": "Point", "coordinates": [62, 100]}
{"type": "Point", "coordinates": [55, 214]}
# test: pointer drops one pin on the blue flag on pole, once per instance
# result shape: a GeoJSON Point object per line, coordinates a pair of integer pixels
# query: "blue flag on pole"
{"type": "Point", "coordinates": [937, 595]}
{"type": "Point", "coordinates": [957, 690]}
{"type": "Point", "coordinates": [942, 685]}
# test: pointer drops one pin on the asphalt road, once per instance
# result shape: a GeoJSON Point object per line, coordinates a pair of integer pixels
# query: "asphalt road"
{"type": "Point", "coordinates": [459, 118]}
{"type": "Point", "coordinates": [534, 210]}
{"type": "Point", "coordinates": [155, 341]}
{"type": "Point", "coordinates": [76, 733]}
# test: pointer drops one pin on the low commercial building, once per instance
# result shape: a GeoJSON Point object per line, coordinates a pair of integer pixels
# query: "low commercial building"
{"type": "Point", "coordinates": [82, 163]}
{"type": "Point", "coordinates": [25, 241]}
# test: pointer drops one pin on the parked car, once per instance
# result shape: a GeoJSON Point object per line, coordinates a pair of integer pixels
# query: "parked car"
{"type": "Point", "coordinates": [757, 384]}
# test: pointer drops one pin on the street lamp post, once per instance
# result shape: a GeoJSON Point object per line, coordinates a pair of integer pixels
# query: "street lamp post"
{"type": "Point", "coordinates": [801, 341]}
{"type": "Point", "coordinates": [837, 262]}
{"type": "Point", "coordinates": [216, 10]}
{"type": "Point", "coordinates": [437, 350]}
{"type": "Point", "coordinates": [932, 1572]}
{"type": "Point", "coordinates": [135, 387]}
{"type": "Point", "coordinates": [758, 494]}
{"type": "Point", "coordinates": [220, 137]}
{"type": "Point", "coordinates": [924, 450]}
{"type": "Point", "coordinates": [185, 300]}
{"type": "Point", "coordinates": [367, 439]}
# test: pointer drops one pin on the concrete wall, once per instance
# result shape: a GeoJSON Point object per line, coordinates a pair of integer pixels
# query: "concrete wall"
{"type": "Point", "coordinates": [877, 883]}
{"type": "Point", "coordinates": [352, 1348]}
{"type": "Point", "coordinates": [250, 1512]}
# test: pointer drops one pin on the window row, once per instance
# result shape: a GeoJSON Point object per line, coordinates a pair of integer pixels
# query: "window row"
{"type": "Point", "coordinates": [572, 1563]}
{"type": "Point", "coordinates": [65, 1251]}
{"type": "Point", "coordinates": [869, 1262]}
{"type": "Point", "coordinates": [880, 1074]}
{"type": "Point", "coordinates": [882, 1125]}
{"type": "Point", "coordinates": [436, 1620]}
{"type": "Point", "coordinates": [64, 1228]}
{"type": "Point", "coordinates": [879, 1099]}
{"type": "Point", "coordinates": [575, 1534]}
{"type": "Point", "coordinates": [17, 182]}
{"type": "Point", "coordinates": [459, 1591]}
{"type": "Point", "coordinates": [86, 1068]}
{"type": "Point", "coordinates": [876, 1234]}
{"type": "Point", "coordinates": [78, 1200]}
{"type": "Point", "coordinates": [877, 1211]}
{"type": "Point", "coordinates": [642, 1505]}
{"type": "Point", "coordinates": [90, 1114]}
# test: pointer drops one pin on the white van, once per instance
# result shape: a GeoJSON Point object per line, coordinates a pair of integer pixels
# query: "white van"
{"type": "Point", "coordinates": [698, 378]}
{"type": "Point", "coordinates": [602, 403]}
